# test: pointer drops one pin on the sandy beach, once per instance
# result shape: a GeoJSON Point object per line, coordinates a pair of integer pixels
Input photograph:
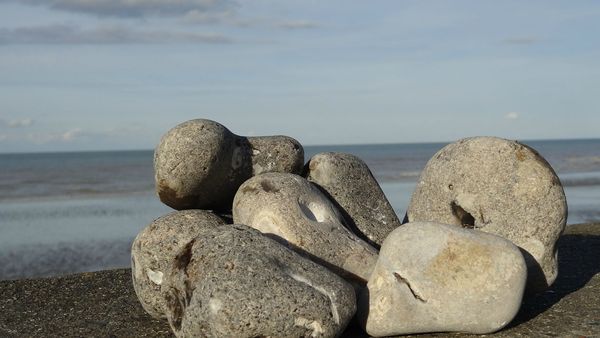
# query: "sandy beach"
{"type": "Point", "coordinates": [103, 304]}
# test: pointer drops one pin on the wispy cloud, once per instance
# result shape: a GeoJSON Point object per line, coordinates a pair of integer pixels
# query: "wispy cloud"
{"type": "Point", "coordinates": [511, 115]}
{"type": "Point", "coordinates": [64, 136]}
{"type": "Point", "coordinates": [20, 123]}
{"type": "Point", "coordinates": [132, 8]}
{"type": "Point", "coordinates": [299, 24]}
{"type": "Point", "coordinates": [521, 41]}
{"type": "Point", "coordinates": [69, 34]}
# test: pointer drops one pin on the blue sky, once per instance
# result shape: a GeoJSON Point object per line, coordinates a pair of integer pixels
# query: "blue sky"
{"type": "Point", "coordinates": [117, 74]}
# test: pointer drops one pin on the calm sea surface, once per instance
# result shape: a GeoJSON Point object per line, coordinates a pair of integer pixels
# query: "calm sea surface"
{"type": "Point", "coordinates": [73, 212]}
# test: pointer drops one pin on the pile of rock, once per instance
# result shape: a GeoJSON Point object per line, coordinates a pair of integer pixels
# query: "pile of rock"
{"type": "Point", "coordinates": [312, 246]}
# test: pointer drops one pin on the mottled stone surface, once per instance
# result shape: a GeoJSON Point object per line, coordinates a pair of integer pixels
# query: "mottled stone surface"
{"type": "Point", "coordinates": [295, 212]}
{"type": "Point", "coordinates": [501, 187]}
{"type": "Point", "coordinates": [104, 304]}
{"type": "Point", "coordinates": [154, 249]}
{"type": "Point", "coordinates": [351, 185]}
{"type": "Point", "coordinates": [199, 164]}
{"type": "Point", "coordinates": [434, 277]}
{"type": "Point", "coordinates": [233, 281]}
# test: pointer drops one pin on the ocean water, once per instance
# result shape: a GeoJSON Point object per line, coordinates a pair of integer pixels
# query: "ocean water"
{"type": "Point", "coordinates": [73, 212]}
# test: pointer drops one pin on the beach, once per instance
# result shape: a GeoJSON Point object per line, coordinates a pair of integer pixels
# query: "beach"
{"type": "Point", "coordinates": [104, 304]}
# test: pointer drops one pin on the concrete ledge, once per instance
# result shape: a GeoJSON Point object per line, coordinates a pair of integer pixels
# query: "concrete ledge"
{"type": "Point", "coordinates": [103, 304]}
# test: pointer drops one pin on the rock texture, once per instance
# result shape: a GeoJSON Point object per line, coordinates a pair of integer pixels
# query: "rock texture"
{"type": "Point", "coordinates": [501, 187]}
{"type": "Point", "coordinates": [232, 281]}
{"type": "Point", "coordinates": [199, 164]}
{"type": "Point", "coordinates": [154, 251]}
{"type": "Point", "coordinates": [295, 212]}
{"type": "Point", "coordinates": [434, 277]}
{"type": "Point", "coordinates": [349, 182]}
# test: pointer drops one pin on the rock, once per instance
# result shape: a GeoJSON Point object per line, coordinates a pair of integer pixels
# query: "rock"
{"type": "Point", "coordinates": [199, 164]}
{"type": "Point", "coordinates": [235, 282]}
{"type": "Point", "coordinates": [155, 248]}
{"type": "Point", "coordinates": [295, 212]}
{"type": "Point", "coordinates": [501, 187]}
{"type": "Point", "coordinates": [350, 183]}
{"type": "Point", "coordinates": [441, 278]}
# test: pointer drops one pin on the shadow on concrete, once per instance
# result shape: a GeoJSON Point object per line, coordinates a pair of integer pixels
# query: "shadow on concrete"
{"type": "Point", "coordinates": [578, 262]}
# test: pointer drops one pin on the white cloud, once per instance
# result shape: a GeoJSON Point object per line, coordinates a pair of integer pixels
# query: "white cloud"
{"type": "Point", "coordinates": [131, 8]}
{"type": "Point", "coordinates": [66, 136]}
{"type": "Point", "coordinates": [511, 115]}
{"type": "Point", "coordinates": [20, 123]}
{"type": "Point", "coordinates": [70, 135]}
{"type": "Point", "coordinates": [108, 34]}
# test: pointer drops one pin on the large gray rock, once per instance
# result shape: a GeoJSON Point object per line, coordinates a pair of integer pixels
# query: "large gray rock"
{"type": "Point", "coordinates": [349, 182]}
{"type": "Point", "coordinates": [501, 187]}
{"type": "Point", "coordinates": [293, 210]}
{"type": "Point", "coordinates": [235, 282]}
{"type": "Point", "coordinates": [199, 164]}
{"type": "Point", "coordinates": [436, 278]}
{"type": "Point", "coordinates": [156, 246]}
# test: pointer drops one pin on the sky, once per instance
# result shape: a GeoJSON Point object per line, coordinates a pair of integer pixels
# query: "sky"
{"type": "Point", "coordinates": [117, 74]}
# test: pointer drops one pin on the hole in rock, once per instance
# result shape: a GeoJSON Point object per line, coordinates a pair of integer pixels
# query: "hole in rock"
{"type": "Point", "coordinates": [466, 219]}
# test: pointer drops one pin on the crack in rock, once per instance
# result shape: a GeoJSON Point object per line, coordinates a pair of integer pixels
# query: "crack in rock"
{"type": "Point", "coordinates": [405, 281]}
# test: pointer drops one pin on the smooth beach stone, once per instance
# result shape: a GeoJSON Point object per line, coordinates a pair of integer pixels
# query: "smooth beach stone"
{"type": "Point", "coordinates": [349, 182]}
{"type": "Point", "coordinates": [296, 212]}
{"type": "Point", "coordinates": [498, 186]}
{"type": "Point", "coordinates": [235, 282]}
{"type": "Point", "coordinates": [156, 246]}
{"type": "Point", "coordinates": [199, 164]}
{"type": "Point", "coordinates": [434, 277]}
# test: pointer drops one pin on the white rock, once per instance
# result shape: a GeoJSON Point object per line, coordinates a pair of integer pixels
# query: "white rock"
{"type": "Point", "coordinates": [295, 212]}
{"type": "Point", "coordinates": [441, 278]}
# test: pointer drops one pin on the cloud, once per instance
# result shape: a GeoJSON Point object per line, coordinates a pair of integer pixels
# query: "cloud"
{"type": "Point", "coordinates": [70, 135]}
{"type": "Point", "coordinates": [511, 115]}
{"type": "Point", "coordinates": [64, 136]}
{"type": "Point", "coordinates": [20, 123]}
{"type": "Point", "coordinates": [68, 34]}
{"type": "Point", "coordinates": [299, 24]}
{"type": "Point", "coordinates": [132, 8]}
{"type": "Point", "coordinates": [203, 17]}
{"type": "Point", "coordinates": [521, 41]}
{"type": "Point", "coordinates": [17, 123]}
{"type": "Point", "coordinates": [3, 137]}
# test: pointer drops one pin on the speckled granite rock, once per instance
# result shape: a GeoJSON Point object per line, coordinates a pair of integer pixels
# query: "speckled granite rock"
{"type": "Point", "coordinates": [298, 214]}
{"type": "Point", "coordinates": [434, 277]}
{"type": "Point", "coordinates": [232, 281]}
{"type": "Point", "coordinates": [501, 187]}
{"type": "Point", "coordinates": [199, 164]}
{"type": "Point", "coordinates": [154, 250]}
{"type": "Point", "coordinates": [104, 304]}
{"type": "Point", "coordinates": [349, 182]}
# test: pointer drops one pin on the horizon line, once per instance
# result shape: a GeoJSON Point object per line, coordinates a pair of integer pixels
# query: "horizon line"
{"type": "Point", "coordinates": [304, 145]}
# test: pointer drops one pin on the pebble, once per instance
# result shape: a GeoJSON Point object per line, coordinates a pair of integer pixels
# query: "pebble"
{"type": "Point", "coordinates": [294, 211]}
{"type": "Point", "coordinates": [233, 281]}
{"type": "Point", "coordinates": [349, 182]}
{"type": "Point", "coordinates": [156, 246]}
{"type": "Point", "coordinates": [199, 164]}
{"type": "Point", "coordinates": [434, 277]}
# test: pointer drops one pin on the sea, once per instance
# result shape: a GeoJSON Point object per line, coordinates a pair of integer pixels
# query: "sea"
{"type": "Point", "coordinates": [64, 213]}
